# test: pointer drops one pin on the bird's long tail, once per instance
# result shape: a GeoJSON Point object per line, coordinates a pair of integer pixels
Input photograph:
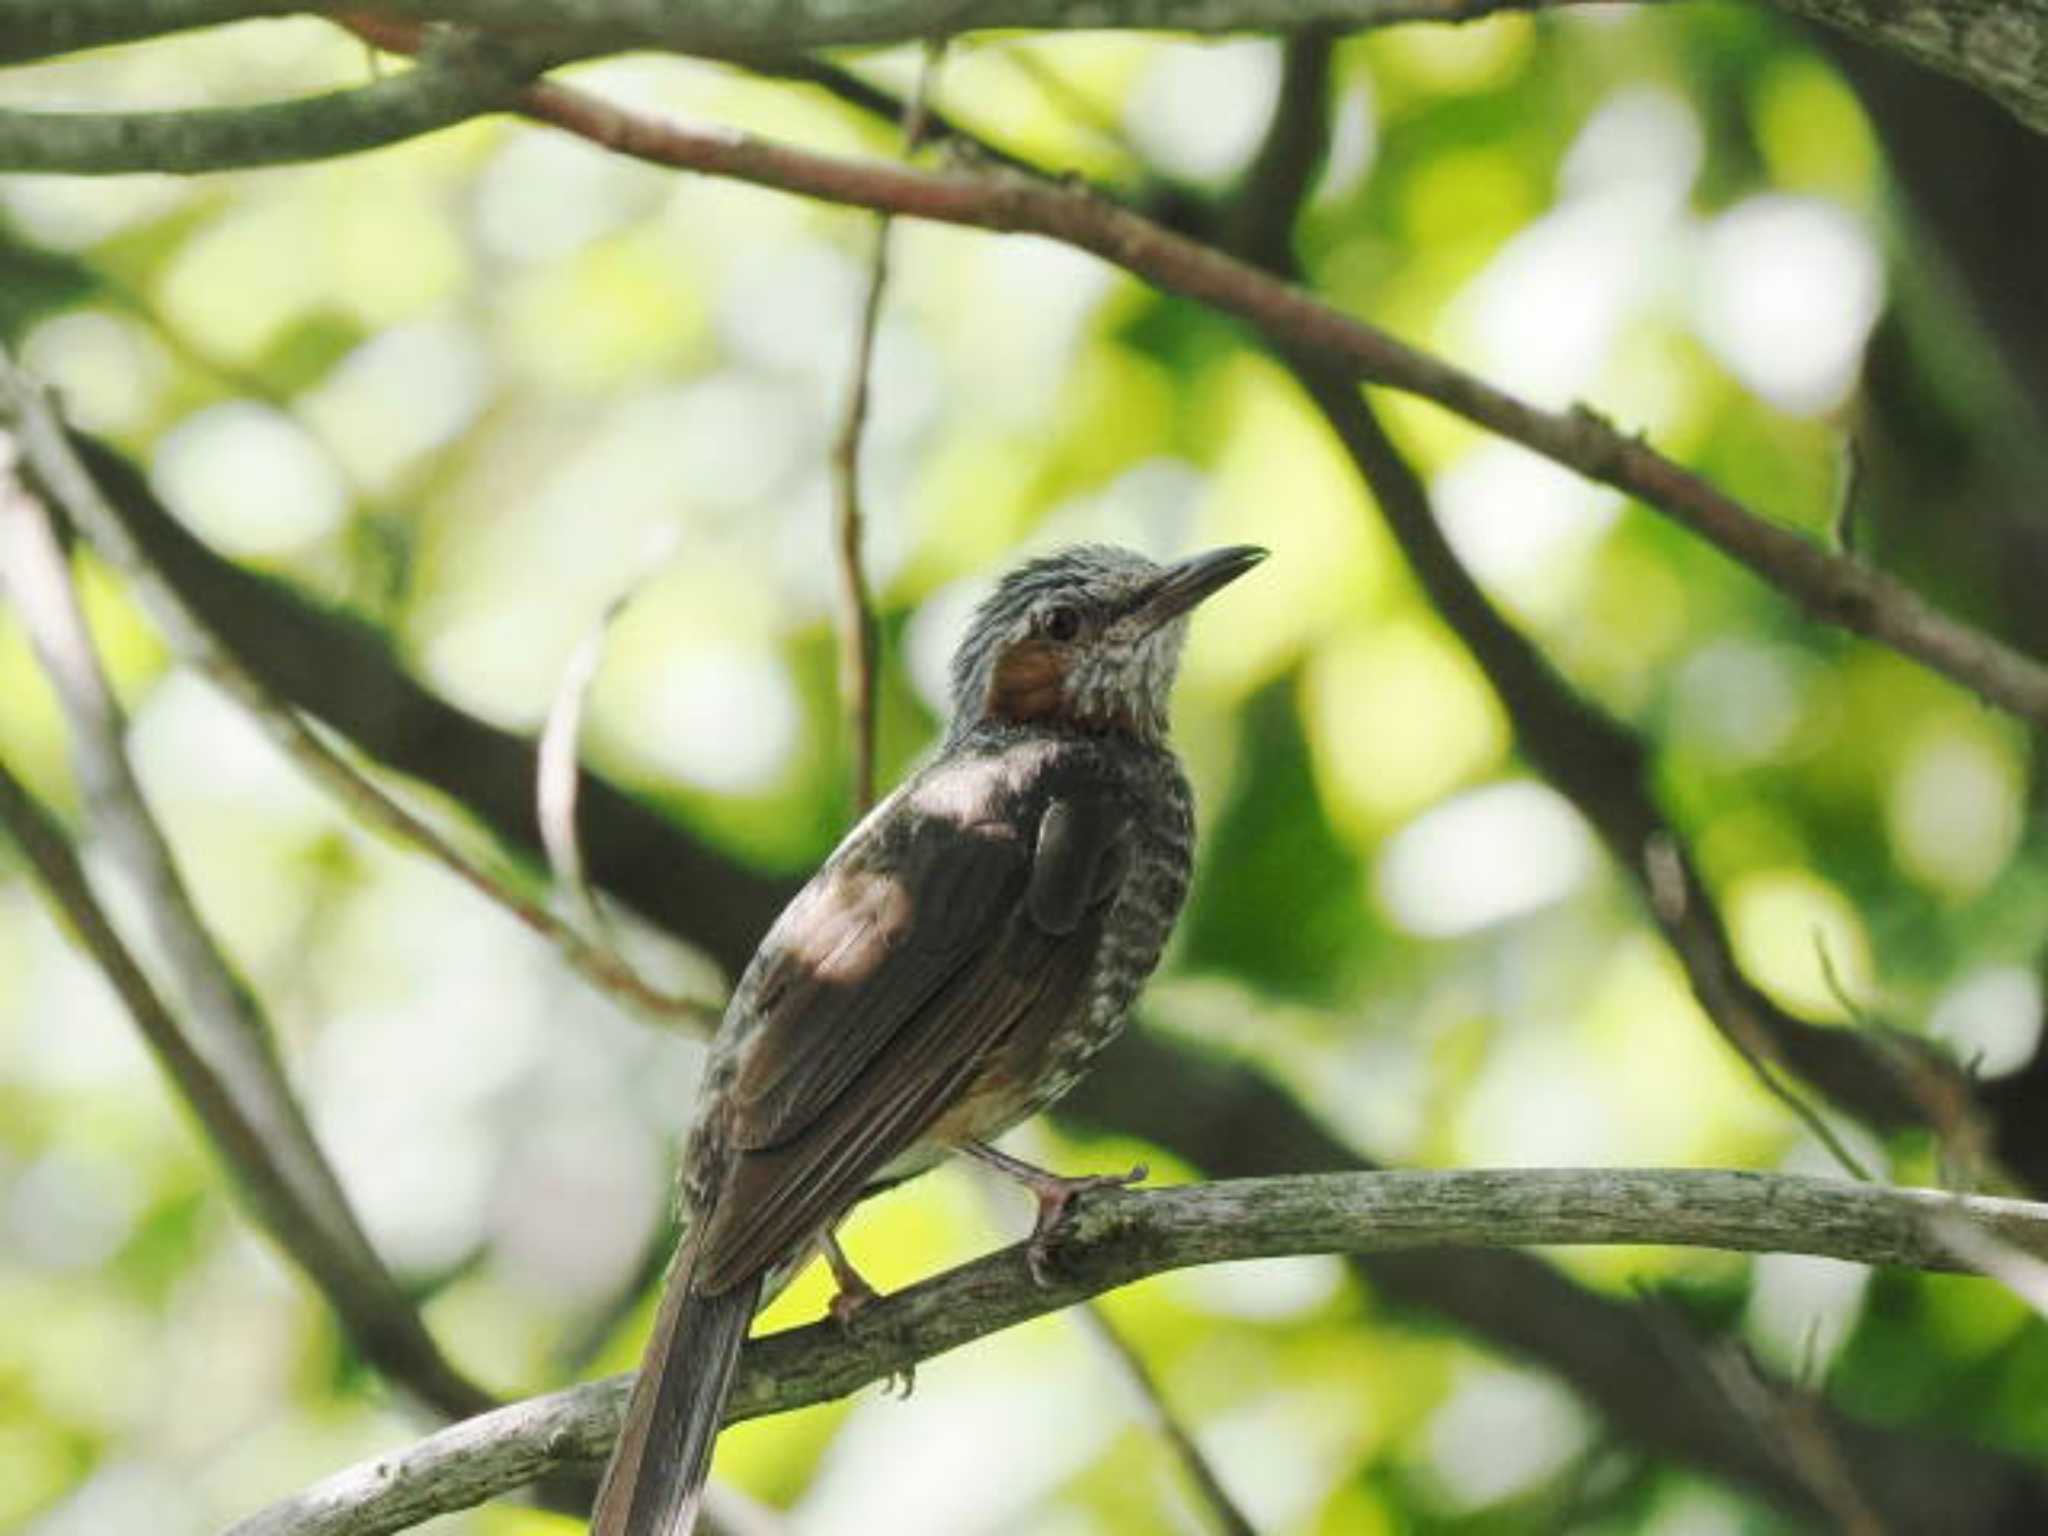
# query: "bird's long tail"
{"type": "Point", "coordinates": [655, 1481]}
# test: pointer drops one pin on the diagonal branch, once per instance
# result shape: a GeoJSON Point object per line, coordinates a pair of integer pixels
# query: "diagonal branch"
{"type": "Point", "coordinates": [221, 1058]}
{"type": "Point", "coordinates": [1830, 587]}
{"type": "Point", "coordinates": [330, 666]}
{"type": "Point", "coordinates": [1593, 759]}
{"type": "Point", "coordinates": [1889, 1081]}
{"type": "Point", "coordinates": [1220, 1116]}
{"type": "Point", "coordinates": [1116, 1239]}
{"type": "Point", "coordinates": [1195, 1466]}
{"type": "Point", "coordinates": [58, 466]}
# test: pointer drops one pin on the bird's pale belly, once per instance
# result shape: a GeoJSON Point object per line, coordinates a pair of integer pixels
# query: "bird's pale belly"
{"type": "Point", "coordinates": [990, 1107]}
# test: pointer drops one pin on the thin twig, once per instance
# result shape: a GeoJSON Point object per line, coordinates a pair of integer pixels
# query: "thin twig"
{"type": "Point", "coordinates": [1848, 486]}
{"type": "Point", "coordinates": [1785, 1418]}
{"type": "Point", "coordinates": [220, 1056]}
{"type": "Point", "coordinates": [56, 465]}
{"type": "Point", "coordinates": [1223, 1509]}
{"type": "Point", "coordinates": [1673, 890]}
{"type": "Point", "coordinates": [857, 634]}
{"type": "Point", "coordinates": [1116, 1238]}
{"type": "Point", "coordinates": [558, 776]}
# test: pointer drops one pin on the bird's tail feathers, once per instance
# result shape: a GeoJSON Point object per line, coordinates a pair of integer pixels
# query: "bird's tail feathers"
{"type": "Point", "coordinates": [655, 1482]}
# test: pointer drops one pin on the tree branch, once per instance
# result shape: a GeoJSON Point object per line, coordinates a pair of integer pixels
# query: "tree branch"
{"type": "Point", "coordinates": [1829, 587]}
{"type": "Point", "coordinates": [221, 1058]}
{"type": "Point", "coordinates": [343, 673]}
{"type": "Point", "coordinates": [1116, 1239]}
{"type": "Point", "coordinates": [2000, 48]}
{"type": "Point", "coordinates": [58, 466]}
{"type": "Point", "coordinates": [1996, 46]}
{"type": "Point", "coordinates": [1221, 1116]}
{"type": "Point", "coordinates": [35, 29]}
{"type": "Point", "coordinates": [1230, 1120]}
{"type": "Point", "coordinates": [455, 81]}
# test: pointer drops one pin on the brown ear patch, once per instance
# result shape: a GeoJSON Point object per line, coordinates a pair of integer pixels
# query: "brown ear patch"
{"type": "Point", "coordinates": [1028, 682]}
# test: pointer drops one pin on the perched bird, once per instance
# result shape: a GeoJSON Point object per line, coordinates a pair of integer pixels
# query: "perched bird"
{"type": "Point", "coordinates": [952, 969]}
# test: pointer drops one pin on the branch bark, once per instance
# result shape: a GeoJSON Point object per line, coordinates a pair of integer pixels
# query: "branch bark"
{"type": "Point", "coordinates": [455, 82]}
{"type": "Point", "coordinates": [1229, 1120]}
{"type": "Point", "coordinates": [1220, 1116]}
{"type": "Point", "coordinates": [343, 673]}
{"type": "Point", "coordinates": [219, 1051]}
{"type": "Point", "coordinates": [1999, 47]}
{"type": "Point", "coordinates": [58, 466]}
{"type": "Point", "coordinates": [1116, 1239]}
{"type": "Point", "coordinates": [1832, 588]}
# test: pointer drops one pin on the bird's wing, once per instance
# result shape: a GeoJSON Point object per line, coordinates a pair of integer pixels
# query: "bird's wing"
{"type": "Point", "coordinates": [886, 989]}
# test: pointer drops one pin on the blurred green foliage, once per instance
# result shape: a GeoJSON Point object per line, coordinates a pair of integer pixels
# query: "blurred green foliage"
{"type": "Point", "coordinates": [529, 380]}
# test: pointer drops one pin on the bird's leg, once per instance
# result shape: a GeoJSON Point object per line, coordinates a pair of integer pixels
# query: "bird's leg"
{"type": "Point", "coordinates": [1055, 1193]}
{"type": "Point", "coordinates": [853, 1295]}
{"type": "Point", "coordinates": [854, 1292]}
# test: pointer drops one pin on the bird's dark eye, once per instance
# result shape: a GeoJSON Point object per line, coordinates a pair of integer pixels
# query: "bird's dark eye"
{"type": "Point", "coordinates": [1061, 622]}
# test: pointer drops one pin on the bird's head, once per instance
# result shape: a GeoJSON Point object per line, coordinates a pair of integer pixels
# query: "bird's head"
{"type": "Point", "coordinates": [1088, 637]}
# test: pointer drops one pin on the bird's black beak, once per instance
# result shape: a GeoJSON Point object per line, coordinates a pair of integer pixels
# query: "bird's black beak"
{"type": "Point", "coordinates": [1186, 582]}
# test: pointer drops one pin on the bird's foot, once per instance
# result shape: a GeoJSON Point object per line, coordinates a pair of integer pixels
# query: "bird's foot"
{"type": "Point", "coordinates": [849, 1301]}
{"type": "Point", "coordinates": [854, 1294]}
{"type": "Point", "coordinates": [1056, 1195]}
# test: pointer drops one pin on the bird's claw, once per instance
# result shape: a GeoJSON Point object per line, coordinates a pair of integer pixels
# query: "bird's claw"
{"type": "Point", "coordinates": [1056, 1197]}
{"type": "Point", "coordinates": [849, 1301]}
{"type": "Point", "coordinates": [854, 1295]}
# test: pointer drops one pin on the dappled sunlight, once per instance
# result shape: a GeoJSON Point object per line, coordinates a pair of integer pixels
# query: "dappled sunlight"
{"type": "Point", "coordinates": [1449, 872]}
{"type": "Point", "coordinates": [1801, 941]}
{"type": "Point", "coordinates": [468, 402]}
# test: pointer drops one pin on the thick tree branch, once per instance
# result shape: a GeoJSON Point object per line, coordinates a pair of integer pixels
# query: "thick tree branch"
{"type": "Point", "coordinates": [1116, 1239]}
{"type": "Point", "coordinates": [1998, 46]}
{"type": "Point", "coordinates": [1230, 1120]}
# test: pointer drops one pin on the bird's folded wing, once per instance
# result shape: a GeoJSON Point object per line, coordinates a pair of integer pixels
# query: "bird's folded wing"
{"type": "Point", "coordinates": [887, 994]}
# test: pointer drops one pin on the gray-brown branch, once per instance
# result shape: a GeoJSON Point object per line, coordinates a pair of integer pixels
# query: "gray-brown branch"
{"type": "Point", "coordinates": [1828, 586]}
{"type": "Point", "coordinates": [217, 1048]}
{"type": "Point", "coordinates": [1118, 1238]}
{"type": "Point", "coordinates": [1998, 46]}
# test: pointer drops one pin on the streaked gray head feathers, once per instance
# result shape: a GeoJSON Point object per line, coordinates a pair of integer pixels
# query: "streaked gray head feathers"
{"type": "Point", "coordinates": [1114, 620]}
